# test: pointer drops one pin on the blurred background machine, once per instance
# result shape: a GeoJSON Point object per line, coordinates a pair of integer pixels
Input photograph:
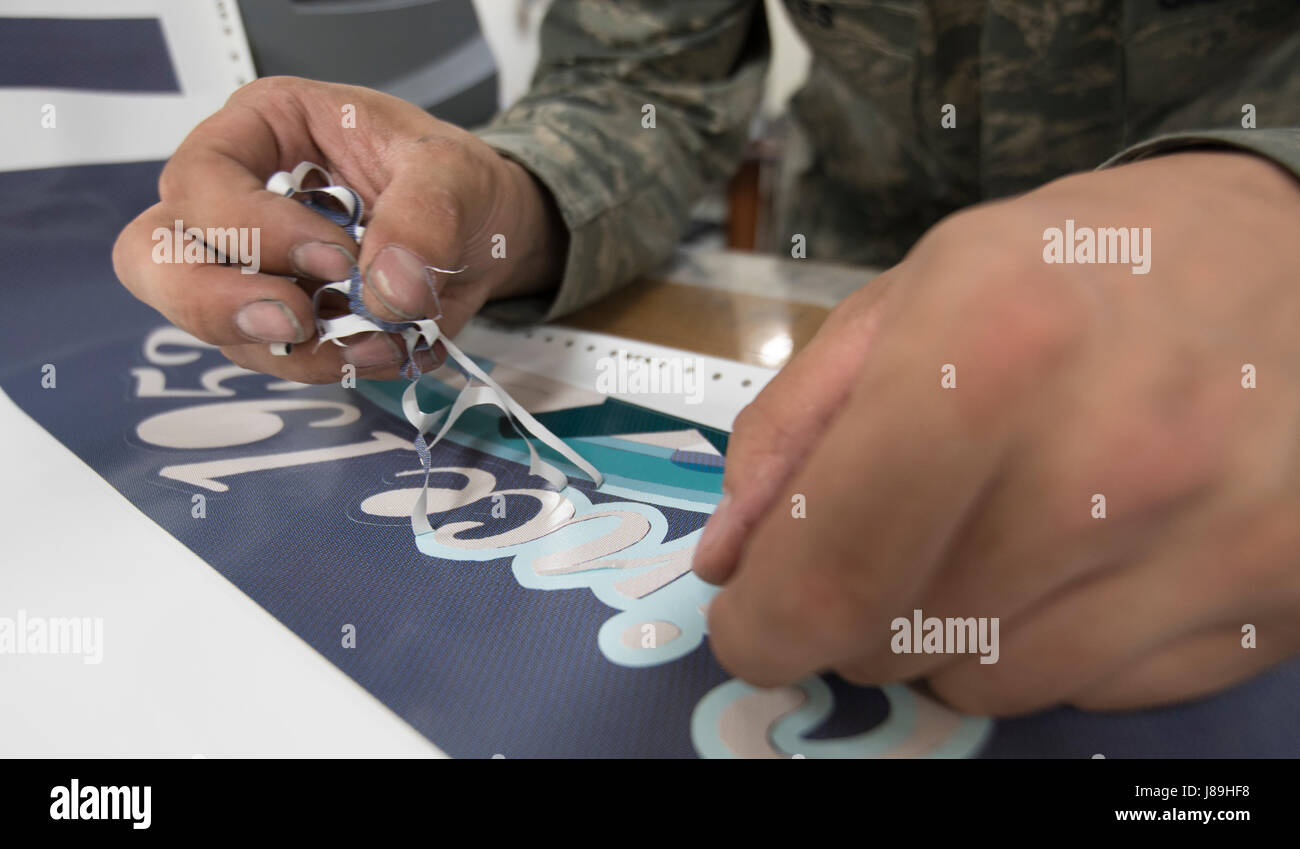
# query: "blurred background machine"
{"type": "Point", "coordinates": [430, 52]}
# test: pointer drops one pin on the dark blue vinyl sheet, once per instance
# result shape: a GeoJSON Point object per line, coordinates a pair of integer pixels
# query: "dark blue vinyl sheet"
{"type": "Point", "coordinates": [474, 661]}
{"type": "Point", "coordinates": [86, 54]}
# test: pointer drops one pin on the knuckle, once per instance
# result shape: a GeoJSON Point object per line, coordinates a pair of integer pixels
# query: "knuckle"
{"type": "Point", "coordinates": [1145, 454]}
{"type": "Point", "coordinates": [728, 642]}
{"type": "Point", "coordinates": [444, 206]}
{"type": "Point", "coordinates": [1006, 332]}
{"type": "Point", "coordinates": [986, 233]}
{"type": "Point", "coordinates": [763, 635]}
{"type": "Point", "coordinates": [189, 315]}
{"type": "Point", "coordinates": [173, 182]}
{"type": "Point", "coordinates": [131, 250]}
{"type": "Point", "coordinates": [1001, 296]}
{"type": "Point", "coordinates": [756, 438]}
{"type": "Point", "coordinates": [238, 354]}
{"type": "Point", "coordinates": [856, 313]}
{"type": "Point", "coordinates": [124, 253]}
{"type": "Point", "coordinates": [443, 144]}
{"type": "Point", "coordinates": [1019, 319]}
{"type": "Point", "coordinates": [267, 87]}
{"type": "Point", "coordinates": [760, 422]}
{"type": "Point", "coordinates": [752, 422]}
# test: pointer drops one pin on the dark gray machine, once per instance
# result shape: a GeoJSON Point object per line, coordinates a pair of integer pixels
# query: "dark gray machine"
{"type": "Point", "coordinates": [429, 52]}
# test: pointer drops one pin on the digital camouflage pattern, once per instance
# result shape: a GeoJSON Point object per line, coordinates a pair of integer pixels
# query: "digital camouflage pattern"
{"type": "Point", "coordinates": [1038, 89]}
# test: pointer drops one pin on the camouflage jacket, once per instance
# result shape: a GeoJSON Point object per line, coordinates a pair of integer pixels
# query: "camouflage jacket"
{"type": "Point", "coordinates": [912, 109]}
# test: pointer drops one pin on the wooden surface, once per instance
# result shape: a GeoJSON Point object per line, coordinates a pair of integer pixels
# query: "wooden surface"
{"type": "Point", "coordinates": [735, 325]}
{"type": "Point", "coordinates": [753, 308]}
{"type": "Point", "coordinates": [743, 200]}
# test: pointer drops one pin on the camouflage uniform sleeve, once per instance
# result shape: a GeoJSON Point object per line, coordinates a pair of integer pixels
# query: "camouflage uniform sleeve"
{"type": "Point", "coordinates": [625, 188]}
{"type": "Point", "coordinates": [1281, 145]}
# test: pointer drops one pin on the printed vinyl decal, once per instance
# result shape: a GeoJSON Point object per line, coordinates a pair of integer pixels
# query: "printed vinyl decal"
{"type": "Point", "coordinates": [586, 639]}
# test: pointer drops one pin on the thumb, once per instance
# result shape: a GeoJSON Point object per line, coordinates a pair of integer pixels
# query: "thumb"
{"type": "Point", "coordinates": [413, 244]}
{"type": "Point", "coordinates": [776, 433]}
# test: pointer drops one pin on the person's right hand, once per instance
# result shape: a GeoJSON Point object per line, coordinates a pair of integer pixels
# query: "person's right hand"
{"type": "Point", "coordinates": [435, 195]}
{"type": "Point", "coordinates": [1084, 385]}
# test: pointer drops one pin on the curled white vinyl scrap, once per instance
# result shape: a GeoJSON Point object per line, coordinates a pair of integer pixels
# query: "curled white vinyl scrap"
{"type": "Point", "coordinates": [480, 389]}
{"type": "Point", "coordinates": [289, 183]}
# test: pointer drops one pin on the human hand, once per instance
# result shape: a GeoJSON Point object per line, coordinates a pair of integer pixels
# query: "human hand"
{"type": "Point", "coordinates": [436, 197]}
{"type": "Point", "coordinates": [1072, 380]}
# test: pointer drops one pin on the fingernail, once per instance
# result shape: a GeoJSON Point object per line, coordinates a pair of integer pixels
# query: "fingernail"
{"type": "Point", "coordinates": [269, 321]}
{"type": "Point", "coordinates": [401, 282]}
{"type": "Point", "coordinates": [713, 530]}
{"type": "Point", "coordinates": [322, 261]}
{"type": "Point", "coordinates": [374, 349]}
{"type": "Point", "coordinates": [426, 361]}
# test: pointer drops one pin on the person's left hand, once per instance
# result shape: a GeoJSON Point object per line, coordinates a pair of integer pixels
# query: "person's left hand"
{"type": "Point", "coordinates": [1072, 381]}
